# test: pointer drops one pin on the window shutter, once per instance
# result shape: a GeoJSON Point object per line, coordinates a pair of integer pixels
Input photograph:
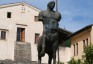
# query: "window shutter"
{"type": "Point", "coordinates": [36, 18]}
{"type": "Point", "coordinates": [22, 34]}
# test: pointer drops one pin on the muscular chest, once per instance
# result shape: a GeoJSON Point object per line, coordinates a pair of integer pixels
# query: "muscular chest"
{"type": "Point", "coordinates": [50, 15]}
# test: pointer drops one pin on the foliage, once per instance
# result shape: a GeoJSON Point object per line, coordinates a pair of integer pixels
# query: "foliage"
{"type": "Point", "coordinates": [67, 43]}
{"type": "Point", "coordinates": [88, 57]}
{"type": "Point", "coordinates": [60, 63]}
{"type": "Point", "coordinates": [72, 61]}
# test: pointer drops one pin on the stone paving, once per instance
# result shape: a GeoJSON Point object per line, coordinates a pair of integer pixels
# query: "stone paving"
{"type": "Point", "coordinates": [12, 62]}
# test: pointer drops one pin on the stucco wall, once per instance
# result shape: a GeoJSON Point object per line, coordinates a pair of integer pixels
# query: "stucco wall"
{"type": "Point", "coordinates": [79, 39]}
{"type": "Point", "coordinates": [91, 33]}
{"type": "Point", "coordinates": [18, 16]}
{"type": "Point", "coordinates": [64, 54]}
{"type": "Point", "coordinates": [26, 19]}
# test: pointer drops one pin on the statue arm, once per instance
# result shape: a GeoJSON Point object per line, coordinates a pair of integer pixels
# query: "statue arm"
{"type": "Point", "coordinates": [40, 16]}
{"type": "Point", "coordinates": [59, 17]}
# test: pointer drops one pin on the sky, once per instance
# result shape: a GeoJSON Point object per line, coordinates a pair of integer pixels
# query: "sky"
{"type": "Point", "coordinates": [76, 14]}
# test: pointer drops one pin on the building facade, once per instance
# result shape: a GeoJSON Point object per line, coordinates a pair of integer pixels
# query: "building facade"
{"type": "Point", "coordinates": [79, 40]}
{"type": "Point", "coordinates": [20, 31]}
{"type": "Point", "coordinates": [18, 24]}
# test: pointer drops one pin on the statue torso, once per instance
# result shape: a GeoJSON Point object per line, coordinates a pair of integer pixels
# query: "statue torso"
{"type": "Point", "coordinates": [50, 19]}
{"type": "Point", "coordinates": [50, 16]}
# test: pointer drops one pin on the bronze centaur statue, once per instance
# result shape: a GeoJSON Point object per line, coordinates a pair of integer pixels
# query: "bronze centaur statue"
{"type": "Point", "coordinates": [48, 42]}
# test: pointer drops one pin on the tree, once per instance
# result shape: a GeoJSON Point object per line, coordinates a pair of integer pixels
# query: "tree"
{"type": "Point", "coordinates": [60, 63]}
{"type": "Point", "coordinates": [72, 61]}
{"type": "Point", "coordinates": [88, 54]}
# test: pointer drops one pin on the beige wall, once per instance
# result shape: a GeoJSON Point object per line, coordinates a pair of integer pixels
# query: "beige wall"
{"type": "Point", "coordinates": [91, 35]}
{"type": "Point", "coordinates": [79, 39]}
{"type": "Point", "coordinates": [64, 54]}
{"type": "Point", "coordinates": [18, 16]}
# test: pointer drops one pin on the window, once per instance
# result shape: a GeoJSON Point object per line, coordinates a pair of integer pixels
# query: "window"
{"type": "Point", "coordinates": [21, 34]}
{"type": "Point", "coordinates": [36, 18]}
{"type": "Point", "coordinates": [3, 35]}
{"type": "Point", "coordinates": [83, 45]}
{"type": "Point", "coordinates": [76, 48]}
{"type": "Point", "coordinates": [36, 37]}
{"type": "Point", "coordinates": [86, 42]}
{"type": "Point", "coordinates": [8, 14]}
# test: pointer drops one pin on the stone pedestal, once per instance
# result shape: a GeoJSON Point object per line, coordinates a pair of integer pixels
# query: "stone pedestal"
{"type": "Point", "coordinates": [22, 53]}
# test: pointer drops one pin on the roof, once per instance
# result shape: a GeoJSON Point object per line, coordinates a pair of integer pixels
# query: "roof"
{"type": "Point", "coordinates": [19, 3]}
{"type": "Point", "coordinates": [81, 30]}
{"type": "Point", "coordinates": [63, 34]}
{"type": "Point", "coordinates": [64, 31]}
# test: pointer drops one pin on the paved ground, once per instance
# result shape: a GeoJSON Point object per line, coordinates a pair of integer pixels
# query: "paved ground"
{"type": "Point", "coordinates": [11, 62]}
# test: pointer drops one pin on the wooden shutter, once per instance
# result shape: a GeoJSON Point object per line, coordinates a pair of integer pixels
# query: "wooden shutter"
{"type": "Point", "coordinates": [36, 37]}
{"type": "Point", "coordinates": [36, 18]}
{"type": "Point", "coordinates": [22, 35]}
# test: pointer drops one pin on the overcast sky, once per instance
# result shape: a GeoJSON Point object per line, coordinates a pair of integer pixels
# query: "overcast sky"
{"type": "Point", "coordinates": [76, 14]}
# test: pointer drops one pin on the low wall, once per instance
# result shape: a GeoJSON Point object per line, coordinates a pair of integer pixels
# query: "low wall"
{"type": "Point", "coordinates": [64, 54]}
{"type": "Point", "coordinates": [22, 52]}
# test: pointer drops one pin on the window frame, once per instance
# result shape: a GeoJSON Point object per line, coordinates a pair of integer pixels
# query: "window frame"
{"type": "Point", "coordinates": [37, 35]}
{"type": "Point", "coordinates": [87, 42]}
{"type": "Point", "coordinates": [36, 18]}
{"type": "Point", "coordinates": [20, 36]}
{"type": "Point", "coordinates": [76, 48]}
{"type": "Point", "coordinates": [3, 36]}
{"type": "Point", "coordinates": [84, 46]}
{"type": "Point", "coordinates": [9, 14]}
{"type": "Point", "coordinates": [73, 49]}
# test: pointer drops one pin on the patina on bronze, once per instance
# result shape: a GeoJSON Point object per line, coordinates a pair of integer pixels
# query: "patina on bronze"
{"type": "Point", "coordinates": [48, 42]}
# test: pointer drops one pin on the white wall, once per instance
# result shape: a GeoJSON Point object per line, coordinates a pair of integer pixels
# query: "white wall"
{"type": "Point", "coordinates": [64, 54]}
{"type": "Point", "coordinates": [18, 17]}
{"type": "Point", "coordinates": [26, 18]}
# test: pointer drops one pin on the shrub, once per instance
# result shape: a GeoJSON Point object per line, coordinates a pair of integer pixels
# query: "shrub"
{"type": "Point", "coordinates": [60, 63]}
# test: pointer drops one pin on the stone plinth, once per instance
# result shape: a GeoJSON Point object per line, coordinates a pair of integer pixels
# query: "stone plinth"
{"type": "Point", "coordinates": [22, 52]}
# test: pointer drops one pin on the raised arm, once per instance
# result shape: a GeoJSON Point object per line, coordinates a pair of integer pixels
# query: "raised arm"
{"type": "Point", "coordinates": [40, 16]}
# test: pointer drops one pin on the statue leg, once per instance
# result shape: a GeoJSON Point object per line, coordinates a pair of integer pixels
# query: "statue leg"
{"type": "Point", "coordinates": [39, 59]}
{"type": "Point", "coordinates": [50, 58]}
{"type": "Point", "coordinates": [43, 46]}
{"type": "Point", "coordinates": [55, 46]}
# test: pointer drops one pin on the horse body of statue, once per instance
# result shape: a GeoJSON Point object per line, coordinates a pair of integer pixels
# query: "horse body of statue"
{"type": "Point", "coordinates": [48, 42]}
